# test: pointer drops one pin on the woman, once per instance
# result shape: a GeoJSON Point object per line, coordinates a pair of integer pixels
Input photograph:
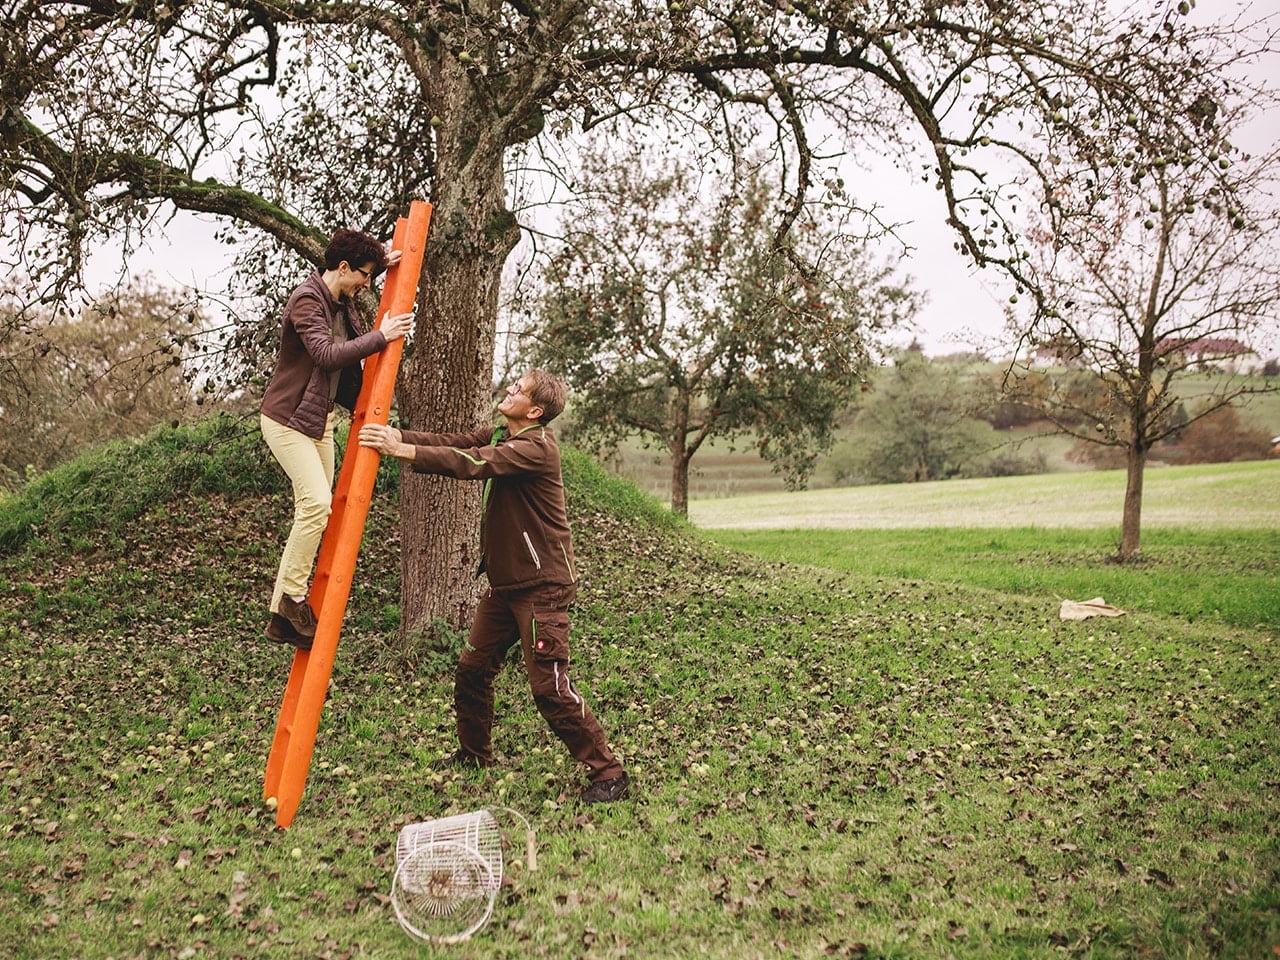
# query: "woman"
{"type": "Point", "coordinates": [319, 365]}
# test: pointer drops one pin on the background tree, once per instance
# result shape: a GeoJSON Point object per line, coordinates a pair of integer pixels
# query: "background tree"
{"type": "Point", "coordinates": [1168, 272]}
{"type": "Point", "coordinates": [673, 317]}
{"type": "Point", "coordinates": [1218, 437]}
{"type": "Point", "coordinates": [285, 120]}
{"type": "Point", "coordinates": [918, 422]}
{"type": "Point", "coordinates": [123, 365]}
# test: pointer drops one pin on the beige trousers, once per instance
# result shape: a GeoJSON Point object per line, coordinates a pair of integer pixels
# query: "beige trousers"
{"type": "Point", "coordinates": [309, 464]}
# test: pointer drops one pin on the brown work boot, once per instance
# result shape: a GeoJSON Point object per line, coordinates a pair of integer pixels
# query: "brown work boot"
{"type": "Point", "coordinates": [300, 614]}
{"type": "Point", "coordinates": [281, 631]}
{"type": "Point", "coordinates": [607, 791]}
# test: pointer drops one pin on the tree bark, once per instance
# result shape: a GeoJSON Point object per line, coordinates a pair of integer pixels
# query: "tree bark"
{"type": "Point", "coordinates": [443, 389]}
{"type": "Point", "coordinates": [1131, 524]}
{"type": "Point", "coordinates": [446, 385]}
{"type": "Point", "coordinates": [680, 455]}
{"type": "Point", "coordinates": [1140, 392]}
{"type": "Point", "coordinates": [679, 483]}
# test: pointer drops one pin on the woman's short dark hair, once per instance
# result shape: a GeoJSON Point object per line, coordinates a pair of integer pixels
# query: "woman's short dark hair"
{"type": "Point", "coordinates": [356, 249]}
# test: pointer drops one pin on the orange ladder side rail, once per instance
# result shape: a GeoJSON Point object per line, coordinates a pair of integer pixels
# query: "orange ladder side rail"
{"type": "Point", "coordinates": [308, 685]}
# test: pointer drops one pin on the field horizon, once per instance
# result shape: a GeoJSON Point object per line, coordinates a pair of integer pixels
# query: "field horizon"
{"type": "Point", "coordinates": [1243, 496]}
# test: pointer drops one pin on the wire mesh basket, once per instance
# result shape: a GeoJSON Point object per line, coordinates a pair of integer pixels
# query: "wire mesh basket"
{"type": "Point", "coordinates": [448, 873]}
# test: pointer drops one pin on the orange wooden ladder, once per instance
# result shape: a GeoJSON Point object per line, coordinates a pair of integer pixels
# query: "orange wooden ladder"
{"type": "Point", "coordinates": [304, 695]}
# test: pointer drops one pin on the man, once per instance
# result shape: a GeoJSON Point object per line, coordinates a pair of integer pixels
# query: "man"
{"type": "Point", "coordinates": [527, 551]}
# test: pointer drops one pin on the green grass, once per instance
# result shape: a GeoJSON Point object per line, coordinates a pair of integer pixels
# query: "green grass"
{"type": "Point", "coordinates": [1224, 576]}
{"type": "Point", "coordinates": [827, 762]}
{"type": "Point", "coordinates": [1259, 410]}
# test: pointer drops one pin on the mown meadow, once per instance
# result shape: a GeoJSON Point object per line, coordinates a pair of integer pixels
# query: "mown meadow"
{"type": "Point", "coordinates": [1210, 544]}
{"type": "Point", "coordinates": [828, 761]}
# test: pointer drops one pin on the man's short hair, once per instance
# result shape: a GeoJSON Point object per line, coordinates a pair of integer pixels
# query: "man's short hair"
{"type": "Point", "coordinates": [356, 249]}
{"type": "Point", "coordinates": [547, 392]}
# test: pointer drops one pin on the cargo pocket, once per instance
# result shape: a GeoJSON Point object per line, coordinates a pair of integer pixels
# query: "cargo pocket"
{"type": "Point", "coordinates": [549, 668]}
{"type": "Point", "coordinates": [551, 635]}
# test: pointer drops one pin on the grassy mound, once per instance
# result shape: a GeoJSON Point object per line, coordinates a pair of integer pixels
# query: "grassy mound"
{"type": "Point", "coordinates": [825, 764]}
{"type": "Point", "coordinates": [112, 486]}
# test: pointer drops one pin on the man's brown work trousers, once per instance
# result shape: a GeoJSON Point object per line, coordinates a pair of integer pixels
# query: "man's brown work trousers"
{"type": "Point", "coordinates": [537, 617]}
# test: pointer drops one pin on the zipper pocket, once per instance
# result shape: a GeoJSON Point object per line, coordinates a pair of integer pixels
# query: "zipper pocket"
{"type": "Point", "coordinates": [532, 552]}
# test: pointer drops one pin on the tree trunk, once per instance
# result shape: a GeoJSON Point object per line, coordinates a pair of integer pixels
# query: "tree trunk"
{"type": "Point", "coordinates": [679, 483]}
{"type": "Point", "coordinates": [445, 388]}
{"type": "Point", "coordinates": [1140, 394]}
{"type": "Point", "coordinates": [680, 455]}
{"type": "Point", "coordinates": [447, 384]}
{"type": "Point", "coordinates": [1131, 525]}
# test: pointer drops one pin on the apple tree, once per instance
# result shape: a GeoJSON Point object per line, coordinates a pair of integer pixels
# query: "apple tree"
{"type": "Point", "coordinates": [919, 421]}
{"type": "Point", "coordinates": [1174, 270]}
{"type": "Point", "coordinates": [675, 317]}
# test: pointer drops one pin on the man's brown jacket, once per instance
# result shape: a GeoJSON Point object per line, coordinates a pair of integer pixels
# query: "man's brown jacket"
{"type": "Point", "coordinates": [524, 530]}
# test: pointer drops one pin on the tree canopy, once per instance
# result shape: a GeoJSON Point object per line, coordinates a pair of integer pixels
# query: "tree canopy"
{"type": "Point", "coordinates": [674, 317]}
{"type": "Point", "coordinates": [920, 421]}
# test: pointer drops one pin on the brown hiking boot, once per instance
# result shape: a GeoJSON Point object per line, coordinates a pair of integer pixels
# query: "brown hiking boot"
{"type": "Point", "coordinates": [607, 791]}
{"type": "Point", "coordinates": [281, 631]}
{"type": "Point", "coordinates": [300, 614]}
